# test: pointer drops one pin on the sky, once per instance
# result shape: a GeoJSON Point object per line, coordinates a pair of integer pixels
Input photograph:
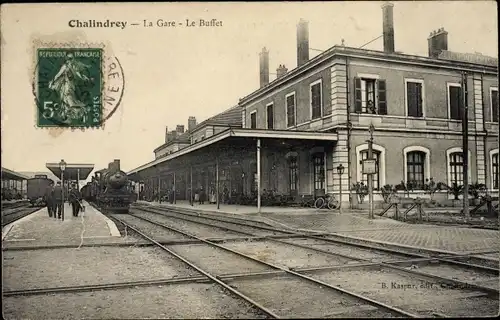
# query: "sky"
{"type": "Point", "coordinates": [173, 73]}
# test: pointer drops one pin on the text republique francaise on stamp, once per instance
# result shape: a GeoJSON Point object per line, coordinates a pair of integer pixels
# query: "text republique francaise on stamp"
{"type": "Point", "coordinates": [76, 86]}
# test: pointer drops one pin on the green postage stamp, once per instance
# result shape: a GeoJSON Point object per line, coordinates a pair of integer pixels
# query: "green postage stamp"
{"type": "Point", "coordinates": [69, 87]}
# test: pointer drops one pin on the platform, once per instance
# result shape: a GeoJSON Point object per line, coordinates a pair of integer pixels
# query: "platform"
{"type": "Point", "coordinates": [40, 229]}
{"type": "Point", "coordinates": [355, 224]}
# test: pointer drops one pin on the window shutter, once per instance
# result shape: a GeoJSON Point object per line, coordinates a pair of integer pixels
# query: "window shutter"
{"type": "Point", "coordinates": [494, 106]}
{"type": "Point", "coordinates": [382, 97]}
{"type": "Point", "coordinates": [357, 95]}
{"type": "Point", "coordinates": [455, 103]}
{"type": "Point", "coordinates": [419, 98]}
{"type": "Point", "coordinates": [411, 96]}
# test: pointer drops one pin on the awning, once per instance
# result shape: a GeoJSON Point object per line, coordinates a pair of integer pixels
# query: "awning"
{"type": "Point", "coordinates": [8, 174]}
{"type": "Point", "coordinates": [72, 171]}
{"type": "Point", "coordinates": [238, 136]}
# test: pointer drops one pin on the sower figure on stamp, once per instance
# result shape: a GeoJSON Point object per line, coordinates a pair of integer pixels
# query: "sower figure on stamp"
{"type": "Point", "coordinates": [65, 82]}
{"type": "Point", "coordinates": [75, 198]}
{"type": "Point", "coordinates": [49, 199]}
{"type": "Point", "coordinates": [58, 198]}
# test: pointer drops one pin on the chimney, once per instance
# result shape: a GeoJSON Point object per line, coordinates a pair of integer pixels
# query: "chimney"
{"type": "Point", "coordinates": [264, 67]}
{"type": "Point", "coordinates": [437, 42]}
{"type": "Point", "coordinates": [281, 71]}
{"type": "Point", "coordinates": [166, 134]}
{"type": "Point", "coordinates": [116, 164]}
{"type": "Point", "coordinates": [302, 42]}
{"type": "Point", "coordinates": [173, 135]}
{"type": "Point", "coordinates": [191, 123]}
{"type": "Point", "coordinates": [180, 129]}
{"type": "Point", "coordinates": [388, 27]}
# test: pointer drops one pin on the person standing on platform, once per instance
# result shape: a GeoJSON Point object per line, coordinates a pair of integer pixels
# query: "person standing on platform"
{"type": "Point", "coordinates": [202, 195]}
{"type": "Point", "coordinates": [58, 198]}
{"type": "Point", "coordinates": [49, 199]}
{"type": "Point", "coordinates": [75, 198]}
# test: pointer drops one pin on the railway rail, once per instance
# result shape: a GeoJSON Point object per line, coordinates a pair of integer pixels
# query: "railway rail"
{"type": "Point", "coordinates": [221, 280]}
{"type": "Point", "coordinates": [480, 264]}
{"type": "Point", "coordinates": [12, 215]}
{"type": "Point", "coordinates": [392, 266]}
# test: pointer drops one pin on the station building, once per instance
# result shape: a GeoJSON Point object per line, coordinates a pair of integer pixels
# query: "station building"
{"type": "Point", "coordinates": [291, 134]}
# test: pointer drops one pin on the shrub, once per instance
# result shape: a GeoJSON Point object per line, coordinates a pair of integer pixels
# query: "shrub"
{"type": "Point", "coordinates": [361, 190]}
{"type": "Point", "coordinates": [477, 189]}
{"type": "Point", "coordinates": [387, 191]}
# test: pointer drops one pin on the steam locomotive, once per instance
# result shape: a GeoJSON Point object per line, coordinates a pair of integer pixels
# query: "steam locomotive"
{"type": "Point", "coordinates": [110, 189]}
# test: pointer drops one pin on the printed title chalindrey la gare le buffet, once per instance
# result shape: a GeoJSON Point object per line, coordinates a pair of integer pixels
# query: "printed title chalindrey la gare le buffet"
{"type": "Point", "coordinates": [158, 23]}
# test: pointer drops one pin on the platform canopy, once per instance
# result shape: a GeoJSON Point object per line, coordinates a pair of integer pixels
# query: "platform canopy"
{"type": "Point", "coordinates": [237, 137]}
{"type": "Point", "coordinates": [8, 174]}
{"type": "Point", "coordinates": [73, 171]}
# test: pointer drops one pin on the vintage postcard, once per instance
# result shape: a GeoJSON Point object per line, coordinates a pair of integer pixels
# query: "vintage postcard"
{"type": "Point", "coordinates": [191, 160]}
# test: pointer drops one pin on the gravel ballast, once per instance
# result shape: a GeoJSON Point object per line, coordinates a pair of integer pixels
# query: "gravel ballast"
{"type": "Point", "coordinates": [186, 301]}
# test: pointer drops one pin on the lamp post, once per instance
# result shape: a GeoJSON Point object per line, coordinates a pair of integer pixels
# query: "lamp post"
{"type": "Point", "coordinates": [62, 166]}
{"type": "Point", "coordinates": [340, 171]}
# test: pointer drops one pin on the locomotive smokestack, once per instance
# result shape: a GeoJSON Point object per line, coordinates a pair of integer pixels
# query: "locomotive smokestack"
{"type": "Point", "coordinates": [116, 163]}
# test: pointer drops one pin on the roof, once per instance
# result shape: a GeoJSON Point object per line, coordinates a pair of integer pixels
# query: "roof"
{"type": "Point", "coordinates": [12, 175]}
{"type": "Point", "coordinates": [72, 171]}
{"type": "Point", "coordinates": [242, 134]}
{"type": "Point", "coordinates": [446, 61]}
{"type": "Point", "coordinates": [230, 117]}
{"type": "Point", "coordinates": [32, 174]}
{"type": "Point", "coordinates": [182, 139]}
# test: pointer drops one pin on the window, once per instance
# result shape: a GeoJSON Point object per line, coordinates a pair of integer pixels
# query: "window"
{"type": "Point", "coordinates": [290, 110]}
{"type": "Point", "coordinates": [319, 171]}
{"type": "Point", "coordinates": [456, 168]}
{"type": "Point", "coordinates": [253, 120]}
{"type": "Point", "coordinates": [370, 96]}
{"type": "Point", "coordinates": [455, 101]}
{"type": "Point", "coordinates": [494, 170]}
{"type": "Point", "coordinates": [494, 104]}
{"type": "Point", "coordinates": [270, 116]}
{"type": "Point", "coordinates": [293, 172]}
{"type": "Point", "coordinates": [414, 98]}
{"type": "Point", "coordinates": [316, 100]}
{"type": "Point", "coordinates": [415, 169]}
{"type": "Point", "coordinates": [376, 177]}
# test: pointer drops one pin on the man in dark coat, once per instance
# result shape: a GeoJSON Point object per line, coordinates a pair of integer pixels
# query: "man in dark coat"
{"type": "Point", "coordinates": [74, 198]}
{"type": "Point", "coordinates": [49, 199]}
{"type": "Point", "coordinates": [58, 198]}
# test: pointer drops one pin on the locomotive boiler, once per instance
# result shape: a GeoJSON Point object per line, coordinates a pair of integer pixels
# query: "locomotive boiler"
{"type": "Point", "coordinates": [110, 189]}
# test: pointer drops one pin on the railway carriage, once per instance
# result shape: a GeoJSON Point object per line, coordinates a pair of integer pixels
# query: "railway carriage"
{"type": "Point", "coordinates": [36, 188]}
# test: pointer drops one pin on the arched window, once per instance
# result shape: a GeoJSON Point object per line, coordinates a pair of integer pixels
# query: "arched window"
{"type": "Point", "coordinates": [415, 165]}
{"type": "Point", "coordinates": [376, 177]}
{"type": "Point", "coordinates": [494, 169]}
{"type": "Point", "coordinates": [456, 160]}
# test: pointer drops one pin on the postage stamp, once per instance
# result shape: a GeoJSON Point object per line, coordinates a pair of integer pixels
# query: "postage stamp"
{"type": "Point", "coordinates": [76, 86]}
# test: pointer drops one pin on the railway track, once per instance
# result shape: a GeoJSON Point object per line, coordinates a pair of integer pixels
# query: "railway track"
{"type": "Point", "coordinates": [297, 280]}
{"type": "Point", "coordinates": [346, 265]}
{"type": "Point", "coordinates": [14, 214]}
{"type": "Point", "coordinates": [253, 228]}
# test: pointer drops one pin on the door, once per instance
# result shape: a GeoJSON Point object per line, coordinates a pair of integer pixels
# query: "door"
{"type": "Point", "coordinates": [318, 161]}
{"type": "Point", "coordinates": [293, 176]}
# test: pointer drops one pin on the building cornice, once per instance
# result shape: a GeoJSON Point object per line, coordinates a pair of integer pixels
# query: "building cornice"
{"type": "Point", "coordinates": [347, 52]}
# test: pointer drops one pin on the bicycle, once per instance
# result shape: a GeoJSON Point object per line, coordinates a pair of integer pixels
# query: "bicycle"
{"type": "Point", "coordinates": [329, 202]}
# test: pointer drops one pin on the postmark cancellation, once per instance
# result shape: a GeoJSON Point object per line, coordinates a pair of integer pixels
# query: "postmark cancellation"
{"type": "Point", "coordinates": [76, 85]}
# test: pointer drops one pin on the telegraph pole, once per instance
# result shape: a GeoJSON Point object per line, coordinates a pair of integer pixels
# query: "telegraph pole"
{"type": "Point", "coordinates": [465, 147]}
{"type": "Point", "coordinates": [370, 176]}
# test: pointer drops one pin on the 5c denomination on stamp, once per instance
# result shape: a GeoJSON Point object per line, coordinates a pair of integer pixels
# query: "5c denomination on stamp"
{"type": "Point", "coordinates": [77, 87]}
